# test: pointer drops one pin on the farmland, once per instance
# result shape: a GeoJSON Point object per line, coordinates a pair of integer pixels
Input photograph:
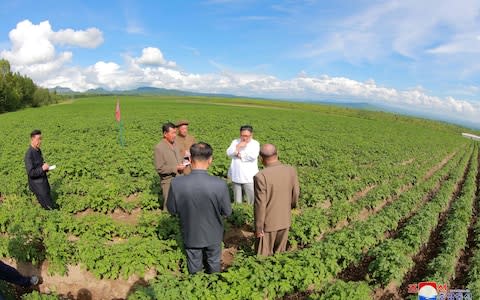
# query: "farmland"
{"type": "Point", "coordinates": [386, 201]}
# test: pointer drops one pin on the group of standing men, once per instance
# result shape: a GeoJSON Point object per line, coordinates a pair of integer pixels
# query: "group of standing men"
{"type": "Point", "coordinates": [201, 200]}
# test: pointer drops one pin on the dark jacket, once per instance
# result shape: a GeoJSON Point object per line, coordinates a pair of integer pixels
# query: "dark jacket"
{"type": "Point", "coordinates": [200, 201]}
{"type": "Point", "coordinates": [37, 177]}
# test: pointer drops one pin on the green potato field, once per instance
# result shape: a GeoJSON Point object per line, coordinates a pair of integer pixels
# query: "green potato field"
{"type": "Point", "coordinates": [386, 201]}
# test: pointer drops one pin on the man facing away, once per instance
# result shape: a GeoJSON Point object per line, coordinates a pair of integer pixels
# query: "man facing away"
{"type": "Point", "coordinates": [276, 193]}
{"type": "Point", "coordinates": [201, 201]}
{"type": "Point", "coordinates": [184, 141]}
{"type": "Point", "coordinates": [37, 170]}
{"type": "Point", "coordinates": [244, 153]}
{"type": "Point", "coordinates": [167, 159]}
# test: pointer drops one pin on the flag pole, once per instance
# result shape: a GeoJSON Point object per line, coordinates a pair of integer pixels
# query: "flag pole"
{"type": "Point", "coordinates": [120, 137]}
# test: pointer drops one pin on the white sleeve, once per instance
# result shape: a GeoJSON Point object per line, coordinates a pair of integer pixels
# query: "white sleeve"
{"type": "Point", "coordinates": [251, 151]}
{"type": "Point", "coordinates": [232, 149]}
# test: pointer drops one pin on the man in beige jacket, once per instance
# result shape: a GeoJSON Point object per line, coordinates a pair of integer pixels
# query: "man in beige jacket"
{"type": "Point", "coordinates": [276, 193]}
{"type": "Point", "coordinates": [167, 159]}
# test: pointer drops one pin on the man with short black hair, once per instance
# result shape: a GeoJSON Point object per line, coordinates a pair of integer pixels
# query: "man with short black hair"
{"type": "Point", "coordinates": [167, 159]}
{"type": "Point", "coordinates": [200, 201]}
{"type": "Point", "coordinates": [37, 170]}
{"type": "Point", "coordinates": [276, 193]}
{"type": "Point", "coordinates": [244, 153]}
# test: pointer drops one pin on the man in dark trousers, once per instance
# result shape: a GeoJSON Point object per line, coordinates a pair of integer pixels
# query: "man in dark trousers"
{"type": "Point", "coordinates": [10, 274]}
{"type": "Point", "coordinates": [201, 201]}
{"type": "Point", "coordinates": [37, 171]}
{"type": "Point", "coordinates": [276, 193]}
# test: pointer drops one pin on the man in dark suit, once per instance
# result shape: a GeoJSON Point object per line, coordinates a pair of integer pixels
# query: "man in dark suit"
{"type": "Point", "coordinates": [201, 201]}
{"type": "Point", "coordinates": [37, 170]}
{"type": "Point", "coordinates": [276, 190]}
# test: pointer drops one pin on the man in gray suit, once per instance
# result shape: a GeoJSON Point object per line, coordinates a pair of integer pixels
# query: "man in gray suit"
{"type": "Point", "coordinates": [201, 201]}
{"type": "Point", "coordinates": [276, 193]}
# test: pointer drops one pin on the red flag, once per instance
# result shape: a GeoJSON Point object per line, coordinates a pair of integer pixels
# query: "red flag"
{"type": "Point", "coordinates": [117, 111]}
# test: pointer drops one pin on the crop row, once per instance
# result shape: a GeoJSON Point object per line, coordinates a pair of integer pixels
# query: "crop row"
{"type": "Point", "coordinates": [394, 257]}
{"type": "Point", "coordinates": [312, 222]}
{"type": "Point", "coordinates": [259, 278]}
{"type": "Point", "coordinates": [100, 244]}
{"type": "Point", "coordinates": [454, 234]}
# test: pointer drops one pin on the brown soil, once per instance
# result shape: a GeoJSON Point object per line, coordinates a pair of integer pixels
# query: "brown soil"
{"type": "Point", "coordinates": [132, 197]}
{"type": "Point", "coordinates": [228, 255]}
{"type": "Point", "coordinates": [235, 239]}
{"type": "Point", "coordinates": [297, 295]}
{"type": "Point", "coordinates": [325, 204]}
{"type": "Point", "coordinates": [390, 292]}
{"type": "Point", "coordinates": [81, 284]}
{"type": "Point", "coordinates": [118, 215]}
{"type": "Point", "coordinates": [439, 166]}
{"type": "Point", "coordinates": [84, 213]}
{"type": "Point", "coordinates": [356, 272]}
{"type": "Point", "coordinates": [125, 217]}
{"type": "Point", "coordinates": [362, 193]}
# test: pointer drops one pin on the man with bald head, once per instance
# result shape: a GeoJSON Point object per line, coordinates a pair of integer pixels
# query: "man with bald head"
{"type": "Point", "coordinates": [276, 193]}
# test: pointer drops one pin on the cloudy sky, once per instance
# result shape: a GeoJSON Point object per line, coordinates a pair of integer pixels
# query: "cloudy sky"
{"type": "Point", "coordinates": [421, 55]}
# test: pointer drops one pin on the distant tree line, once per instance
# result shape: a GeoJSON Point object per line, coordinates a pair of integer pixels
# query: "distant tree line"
{"type": "Point", "coordinates": [17, 91]}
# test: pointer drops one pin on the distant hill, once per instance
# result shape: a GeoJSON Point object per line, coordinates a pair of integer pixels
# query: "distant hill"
{"type": "Point", "coordinates": [335, 102]}
{"type": "Point", "coordinates": [139, 91]}
{"type": "Point", "coordinates": [353, 105]}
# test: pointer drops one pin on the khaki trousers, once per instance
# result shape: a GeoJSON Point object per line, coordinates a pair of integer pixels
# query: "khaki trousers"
{"type": "Point", "coordinates": [165, 184]}
{"type": "Point", "coordinates": [272, 242]}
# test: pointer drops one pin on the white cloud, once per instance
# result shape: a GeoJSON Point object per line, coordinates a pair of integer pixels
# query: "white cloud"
{"type": "Point", "coordinates": [303, 87]}
{"type": "Point", "coordinates": [33, 47]}
{"type": "Point", "coordinates": [30, 44]}
{"type": "Point", "coordinates": [153, 56]}
{"type": "Point", "coordinates": [90, 38]}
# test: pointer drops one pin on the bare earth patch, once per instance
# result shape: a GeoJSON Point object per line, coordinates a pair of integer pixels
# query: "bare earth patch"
{"type": "Point", "coordinates": [126, 217]}
{"type": "Point", "coordinates": [117, 215]}
{"type": "Point", "coordinates": [81, 284]}
{"type": "Point", "coordinates": [439, 166]}
{"type": "Point", "coordinates": [362, 193]}
{"type": "Point", "coordinates": [390, 292]}
{"type": "Point", "coordinates": [234, 239]}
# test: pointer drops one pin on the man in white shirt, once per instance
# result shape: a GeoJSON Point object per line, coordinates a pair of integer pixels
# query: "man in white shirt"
{"type": "Point", "coordinates": [244, 153]}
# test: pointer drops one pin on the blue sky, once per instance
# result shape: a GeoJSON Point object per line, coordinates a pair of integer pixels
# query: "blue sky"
{"type": "Point", "coordinates": [420, 55]}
